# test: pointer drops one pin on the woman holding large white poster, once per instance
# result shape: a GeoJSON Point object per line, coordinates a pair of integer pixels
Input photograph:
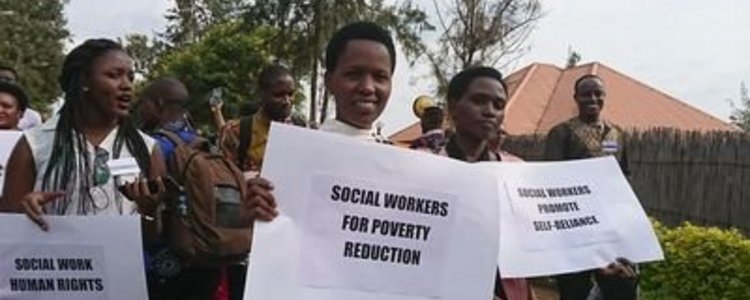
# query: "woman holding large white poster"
{"type": "Point", "coordinates": [86, 159]}
{"type": "Point", "coordinates": [361, 262]}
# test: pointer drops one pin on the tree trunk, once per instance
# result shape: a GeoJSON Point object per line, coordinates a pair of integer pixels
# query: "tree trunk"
{"type": "Point", "coordinates": [314, 92]}
{"type": "Point", "coordinates": [324, 108]}
{"type": "Point", "coordinates": [315, 57]}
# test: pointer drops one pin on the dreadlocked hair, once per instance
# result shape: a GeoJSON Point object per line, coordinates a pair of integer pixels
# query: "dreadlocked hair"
{"type": "Point", "coordinates": [70, 155]}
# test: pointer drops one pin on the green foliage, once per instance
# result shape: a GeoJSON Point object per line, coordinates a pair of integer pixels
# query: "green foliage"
{"type": "Point", "coordinates": [741, 114]}
{"type": "Point", "coordinates": [700, 263]}
{"type": "Point", "coordinates": [300, 32]}
{"type": "Point", "coordinates": [480, 32]}
{"type": "Point", "coordinates": [227, 56]}
{"type": "Point", "coordinates": [33, 33]}
{"type": "Point", "coordinates": [188, 20]}
{"type": "Point", "coordinates": [573, 58]}
{"type": "Point", "coordinates": [306, 26]}
{"type": "Point", "coordinates": [145, 51]}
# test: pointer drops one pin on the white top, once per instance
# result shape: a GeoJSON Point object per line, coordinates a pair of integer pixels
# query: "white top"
{"type": "Point", "coordinates": [336, 126]}
{"type": "Point", "coordinates": [107, 200]}
{"type": "Point", "coordinates": [30, 119]}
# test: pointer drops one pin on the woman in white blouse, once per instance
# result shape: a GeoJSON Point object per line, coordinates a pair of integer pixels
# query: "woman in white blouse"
{"type": "Point", "coordinates": [63, 166]}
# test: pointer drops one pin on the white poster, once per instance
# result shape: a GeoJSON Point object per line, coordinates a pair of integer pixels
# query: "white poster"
{"type": "Point", "coordinates": [8, 140]}
{"type": "Point", "coordinates": [561, 217]}
{"type": "Point", "coordinates": [82, 258]}
{"type": "Point", "coordinates": [358, 230]}
{"type": "Point", "coordinates": [368, 221]}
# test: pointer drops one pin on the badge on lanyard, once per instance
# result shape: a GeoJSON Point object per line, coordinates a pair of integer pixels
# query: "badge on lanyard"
{"type": "Point", "coordinates": [126, 169]}
{"type": "Point", "coordinates": [609, 147]}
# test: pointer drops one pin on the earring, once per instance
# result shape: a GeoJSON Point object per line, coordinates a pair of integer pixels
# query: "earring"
{"type": "Point", "coordinates": [85, 89]}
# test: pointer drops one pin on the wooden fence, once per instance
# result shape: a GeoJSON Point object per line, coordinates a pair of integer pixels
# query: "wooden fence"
{"type": "Point", "coordinates": [681, 176]}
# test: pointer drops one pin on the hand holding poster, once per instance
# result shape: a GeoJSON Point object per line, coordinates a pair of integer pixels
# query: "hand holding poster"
{"type": "Point", "coordinates": [570, 216]}
{"type": "Point", "coordinates": [367, 221]}
{"type": "Point", "coordinates": [96, 258]}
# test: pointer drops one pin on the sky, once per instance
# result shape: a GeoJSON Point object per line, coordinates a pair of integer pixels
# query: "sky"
{"type": "Point", "coordinates": [697, 51]}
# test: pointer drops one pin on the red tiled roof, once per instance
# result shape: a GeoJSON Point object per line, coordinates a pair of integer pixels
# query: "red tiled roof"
{"type": "Point", "coordinates": [541, 96]}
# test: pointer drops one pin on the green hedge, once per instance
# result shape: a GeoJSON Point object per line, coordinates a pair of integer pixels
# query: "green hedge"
{"type": "Point", "coordinates": [700, 263]}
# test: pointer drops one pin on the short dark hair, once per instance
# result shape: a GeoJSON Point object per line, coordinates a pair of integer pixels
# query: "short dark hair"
{"type": "Point", "coordinates": [268, 74]}
{"type": "Point", "coordinates": [17, 92]}
{"type": "Point", "coordinates": [10, 69]}
{"type": "Point", "coordinates": [433, 112]}
{"type": "Point", "coordinates": [582, 78]}
{"type": "Point", "coordinates": [432, 117]}
{"type": "Point", "coordinates": [459, 83]}
{"type": "Point", "coordinates": [358, 31]}
{"type": "Point", "coordinates": [157, 86]}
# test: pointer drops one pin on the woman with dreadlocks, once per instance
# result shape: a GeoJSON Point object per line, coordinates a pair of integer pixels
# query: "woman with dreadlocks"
{"type": "Point", "coordinates": [61, 167]}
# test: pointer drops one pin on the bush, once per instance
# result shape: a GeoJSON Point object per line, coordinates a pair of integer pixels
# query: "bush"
{"type": "Point", "coordinates": [700, 263]}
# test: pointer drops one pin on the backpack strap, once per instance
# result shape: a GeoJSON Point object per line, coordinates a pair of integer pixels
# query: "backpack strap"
{"type": "Point", "coordinates": [246, 132]}
{"type": "Point", "coordinates": [171, 136]}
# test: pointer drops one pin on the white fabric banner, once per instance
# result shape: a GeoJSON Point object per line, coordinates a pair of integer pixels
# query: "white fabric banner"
{"type": "Point", "coordinates": [366, 221]}
{"type": "Point", "coordinates": [79, 258]}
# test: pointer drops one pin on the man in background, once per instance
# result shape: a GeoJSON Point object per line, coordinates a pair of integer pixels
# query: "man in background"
{"type": "Point", "coordinates": [244, 141]}
{"type": "Point", "coordinates": [584, 136]}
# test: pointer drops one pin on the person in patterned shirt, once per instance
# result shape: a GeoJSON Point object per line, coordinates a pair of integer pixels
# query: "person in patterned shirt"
{"type": "Point", "coordinates": [588, 134]}
{"type": "Point", "coordinates": [433, 136]}
{"type": "Point", "coordinates": [584, 136]}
